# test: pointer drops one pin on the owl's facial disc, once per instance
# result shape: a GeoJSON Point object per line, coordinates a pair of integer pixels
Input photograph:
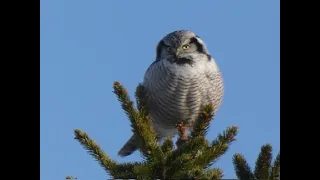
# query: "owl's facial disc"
{"type": "Point", "coordinates": [183, 54]}
{"type": "Point", "coordinates": [191, 49]}
{"type": "Point", "coordinates": [182, 47]}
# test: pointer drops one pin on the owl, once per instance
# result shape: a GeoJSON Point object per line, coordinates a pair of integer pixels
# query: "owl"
{"type": "Point", "coordinates": [182, 79]}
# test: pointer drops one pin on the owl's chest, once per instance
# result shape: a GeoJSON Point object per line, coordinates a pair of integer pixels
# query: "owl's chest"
{"type": "Point", "coordinates": [185, 71]}
{"type": "Point", "coordinates": [174, 97]}
{"type": "Point", "coordinates": [179, 78]}
{"type": "Point", "coordinates": [182, 90]}
{"type": "Point", "coordinates": [176, 94]}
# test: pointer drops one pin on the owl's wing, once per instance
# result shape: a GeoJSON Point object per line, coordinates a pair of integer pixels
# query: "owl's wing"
{"type": "Point", "coordinates": [141, 91]}
{"type": "Point", "coordinates": [215, 80]}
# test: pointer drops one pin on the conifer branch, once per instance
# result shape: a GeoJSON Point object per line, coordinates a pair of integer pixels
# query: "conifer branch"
{"type": "Point", "coordinates": [167, 146]}
{"type": "Point", "coordinates": [218, 147]}
{"type": "Point", "coordinates": [193, 173]}
{"type": "Point", "coordinates": [140, 123]}
{"type": "Point", "coordinates": [177, 168]}
{"type": "Point", "coordinates": [71, 178]}
{"type": "Point", "coordinates": [193, 146]}
{"type": "Point", "coordinates": [127, 170]}
{"type": "Point", "coordinates": [202, 124]}
{"type": "Point", "coordinates": [263, 169]}
{"type": "Point", "coordinates": [190, 160]}
{"type": "Point", "coordinates": [127, 105]}
{"type": "Point", "coordinates": [141, 99]}
{"type": "Point", "coordinates": [197, 173]}
{"type": "Point", "coordinates": [197, 153]}
{"type": "Point", "coordinates": [275, 170]}
{"type": "Point", "coordinates": [143, 171]}
{"type": "Point", "coordinates": [117, 170]}
{"type": "Point", "coordinates": [242, 168]}
{"type": "Point", "coordinates": [95, 151]}
{"type": "Point", "coordinates": [177, 160]}
{"type": "Point", "coordinates": [263, 163]}
{"type": "Point", "coordinates": [212, 174]}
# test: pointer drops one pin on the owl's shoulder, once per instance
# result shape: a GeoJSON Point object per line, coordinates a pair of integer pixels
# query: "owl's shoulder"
{"type": "Point", "coordinates": [153, 65]}
{"type": "Point", "coordinates": [212, 66]}
{"type": "Point", "coordinates": [213, 72]}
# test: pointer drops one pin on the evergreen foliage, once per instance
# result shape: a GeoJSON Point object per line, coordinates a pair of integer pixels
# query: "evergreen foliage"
{"type": "Point", "coordinates": [264, 168]}
{"type": "Point", "coordinates": [189, 158]}
{"type": "Point", "coordinates": [71, 178]}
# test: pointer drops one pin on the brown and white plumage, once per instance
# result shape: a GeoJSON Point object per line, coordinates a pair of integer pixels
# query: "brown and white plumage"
{"type": "Point", "coordinates": [183, 78]}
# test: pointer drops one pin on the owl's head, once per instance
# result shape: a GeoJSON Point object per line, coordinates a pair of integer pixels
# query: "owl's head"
{"type": "Point", "coordinates": [182, 47]}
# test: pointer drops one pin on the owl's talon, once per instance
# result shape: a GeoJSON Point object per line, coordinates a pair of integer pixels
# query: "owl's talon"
{"type": "Point", "coordinates": [182, 129]}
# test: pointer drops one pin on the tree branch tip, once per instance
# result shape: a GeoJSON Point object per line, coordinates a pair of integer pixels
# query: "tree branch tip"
{"type": "Point", "coordinates": [208, 109]}
{"type": "Point", "coordinates": [234, 127]}
{"type": "Point", "coordinates": [238, 156]}
{"type": "Point", "coordinates": [78, 132]}
{"type": "Point", "coordinates": [267, 145]}
{"type": "Point", "coordinates": [116, 83]}
{"type": "Point", "coordinates": [118, 88]}
{"type": "Point", "coordinates": [71, 178]}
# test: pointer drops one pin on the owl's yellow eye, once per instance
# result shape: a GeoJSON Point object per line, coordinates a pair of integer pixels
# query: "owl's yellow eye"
{"type": "Point", "coordinates": [185, 47]}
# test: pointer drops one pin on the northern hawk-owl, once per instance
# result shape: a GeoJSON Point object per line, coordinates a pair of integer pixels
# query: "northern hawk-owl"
{"type": "Point", "coordinates": [182, 79]}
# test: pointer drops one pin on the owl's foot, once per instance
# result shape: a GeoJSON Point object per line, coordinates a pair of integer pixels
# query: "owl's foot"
{"type": "Point", "coordinates": [182, 129]}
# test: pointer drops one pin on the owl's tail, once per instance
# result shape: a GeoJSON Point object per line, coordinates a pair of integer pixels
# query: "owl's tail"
{"type": "Point", "coordinates": [129, 147]}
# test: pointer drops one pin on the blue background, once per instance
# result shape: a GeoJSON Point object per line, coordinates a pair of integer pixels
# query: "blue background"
{"type": "Point", "coordinates": [87, 45]}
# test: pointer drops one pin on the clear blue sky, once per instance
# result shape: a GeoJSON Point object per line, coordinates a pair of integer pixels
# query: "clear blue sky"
{"type": "Point", "coordinates": [87, 45]}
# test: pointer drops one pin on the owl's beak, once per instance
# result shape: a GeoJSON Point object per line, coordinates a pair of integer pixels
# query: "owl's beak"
{"type": "Point", "coordinates": [178, 52]}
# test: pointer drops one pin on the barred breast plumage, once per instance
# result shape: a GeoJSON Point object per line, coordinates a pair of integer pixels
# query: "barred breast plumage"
{"type": "Point", "coordinates": [177, 93]}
